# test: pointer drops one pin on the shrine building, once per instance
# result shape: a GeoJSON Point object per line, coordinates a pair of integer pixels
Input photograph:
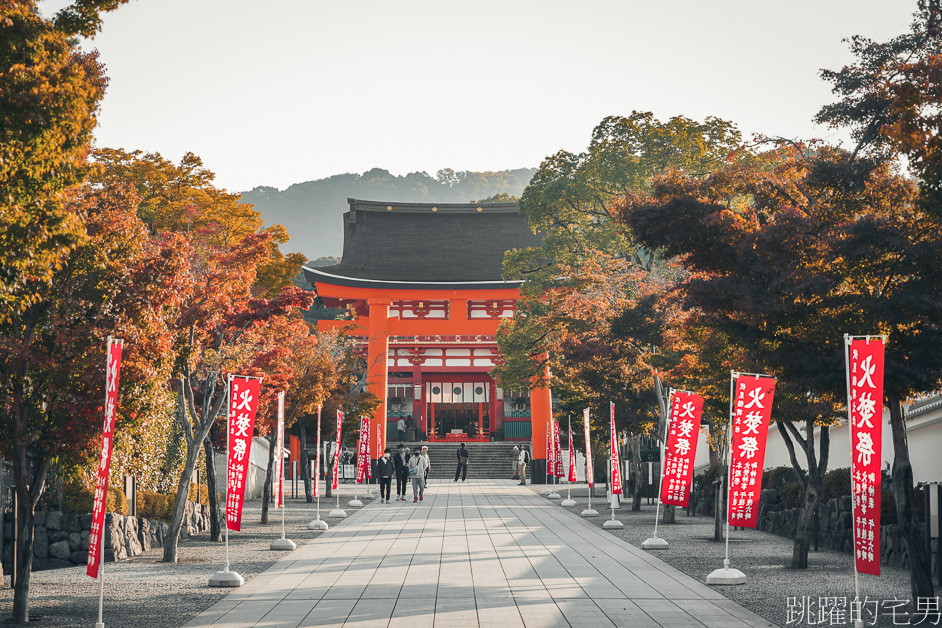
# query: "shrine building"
{"type": "Point", "coordinates": [421, 285]}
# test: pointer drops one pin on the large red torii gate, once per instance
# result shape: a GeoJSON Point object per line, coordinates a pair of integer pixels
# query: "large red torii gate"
{"type": "Point", "coordinates": [428, 277]}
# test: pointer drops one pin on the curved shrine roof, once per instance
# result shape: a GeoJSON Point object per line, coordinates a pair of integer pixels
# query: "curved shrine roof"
{"type": "Point", "coordinates": [444, 245]}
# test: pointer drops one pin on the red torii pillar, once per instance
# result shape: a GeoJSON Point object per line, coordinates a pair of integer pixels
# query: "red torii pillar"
{"type": "Point", "coordinates": [377, 374]}
{"type": "Point", "coordinates": [541, 414]}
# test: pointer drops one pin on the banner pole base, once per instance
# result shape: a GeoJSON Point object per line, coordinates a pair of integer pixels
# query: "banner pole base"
{"type": "Point", "coordinates": [99, 624]}
{"type": "Point", "coordinates": [282, 545]}
{"type": "Point", "coordinates": [337, 513]}
{"type": "Point", "coordinates": [355, 503]}
{"type": "Point", "coordinates": [554, 495]}
{"type": "Point", "coordinates": [589, 512]}
{"type": "Point", "coordinates": [655, 543]}
{"type": "Point", "coordinates": [726, 576]}
{"type": "Point", "coordinates": [613, 523]}
{"type": "Point", "coordinates": [568, 502]}
{"type": "Point", "coordinates": [545, 491]}
{"type": "Point", "coordinates": [226, 578]}
{"type": "Point", "coordinates": [317, 524]}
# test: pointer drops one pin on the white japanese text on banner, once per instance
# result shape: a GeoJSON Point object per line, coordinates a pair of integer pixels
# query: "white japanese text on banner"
{"type": "Point", "coordinates": [112, 371]}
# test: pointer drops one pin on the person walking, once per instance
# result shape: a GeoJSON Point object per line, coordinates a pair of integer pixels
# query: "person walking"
{"type": "Point", "coordinates": [401, 460]}
{"type": "Point", "coordinates": [401, 429]}
{"type": "Point", "coordinates": [462, 468]}
{"type": "Point", "coordinates": [385, 468]}
{"type": "Point", "coordinates": [418, 467]}
{"type": "Point", "coordinates": [523, 461]}
{"type": "Point", "coordinates": [428, 462]}
{"type": "Point", "coordinates": [515, 462]}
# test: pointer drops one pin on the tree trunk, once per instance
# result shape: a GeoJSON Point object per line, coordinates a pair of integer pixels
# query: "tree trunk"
{"type": "Point", "coordinates": [269, 472]}
{"type": "Point", "coordinates": [810, 481]}
{"type": "Point", "coordinates": [913, 534]}
{"type": "Point", "coordinates": [215, 531]}
{"type": "Point", "coordinates": [305, 464]}
{"type": "Point", "coordinates": [718, 508]}
{"type": "Point", "coordinates": [28, 491]}
{"type": "Point", "coordinates": [195, 435]}
{"type": "Point", "coordinates": [805, 523]}
{"type": "Point", "coordinates": [329, 482]}
{"type": "Point", "coordinates": [670, 514]}
{"type": "Point", "coordinates": [179, 504]}
{"type": "Point", "coordinates": [24, 554]}
{"type": "Point", "coordinates": [635, 443]}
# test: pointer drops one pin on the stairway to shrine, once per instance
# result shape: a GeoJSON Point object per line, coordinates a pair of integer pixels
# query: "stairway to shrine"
{"type": "Point", "coordinates": [485, 460]}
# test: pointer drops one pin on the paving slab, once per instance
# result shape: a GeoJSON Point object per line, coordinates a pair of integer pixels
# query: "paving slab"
{"type": "Point", "coordinates": [478, 553]}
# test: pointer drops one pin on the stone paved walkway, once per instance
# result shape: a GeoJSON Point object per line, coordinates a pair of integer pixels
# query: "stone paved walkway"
{"type": "Point", "coordinates": [479, 553]}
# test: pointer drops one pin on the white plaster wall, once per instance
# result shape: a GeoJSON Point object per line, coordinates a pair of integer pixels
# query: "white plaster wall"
{"type": "Point", "coordinates": [924, 433]}
{"type": "Point", "coordinates": [258, 464]}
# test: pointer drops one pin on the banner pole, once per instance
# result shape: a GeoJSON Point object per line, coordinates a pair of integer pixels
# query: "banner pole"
{"type": "Point", "coordinates": [227, 578]}
{"type": "Point", "coordinates": [727, 575]}
{"type": "Point", "coordinates": [729, 445]}
{"type": "Point", "coordinates": [614, 469]}
{"type": "Point", "coordinates": [660, 484]}
{"type": "Point", "coordinates": [549, 431]}
{"type": "Point", "coordinates": [554, 429]}
{"type": "Point", "coordinates": [318, 524]}
{"type": "Point", "coordinates": [858, 623]}
{"type": "Point", "coordinates": [101, 565]}
{"type": "Point", "coordinates": [101, 555]}
{"type": "Point", "coordinates": [568, 483]}
{"type": "Point", "coordinates": [589, 467]}
{"type": "Point", "coordinates": [228, 445]}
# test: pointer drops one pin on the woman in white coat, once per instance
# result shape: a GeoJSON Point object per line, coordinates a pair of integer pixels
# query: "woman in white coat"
{"type": "Point", "coordinates": [418, 466]}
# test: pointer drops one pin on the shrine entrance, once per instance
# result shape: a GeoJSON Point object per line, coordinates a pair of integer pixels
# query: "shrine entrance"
{"type": "Point", "coordinates": [459, 421]}
{"type": "Point", "coordinates": [423, 290]}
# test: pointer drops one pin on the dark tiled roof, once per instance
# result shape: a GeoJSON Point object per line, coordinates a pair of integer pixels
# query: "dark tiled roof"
{"type": "Point", "coordinates": [427, 243]}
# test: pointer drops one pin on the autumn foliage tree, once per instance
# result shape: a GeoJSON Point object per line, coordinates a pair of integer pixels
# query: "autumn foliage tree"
{"type": "Point", "coordinates": [588, 273]}
{"type": "Point", "coordinates": [117, 282]}
{"type": "Point", "coordinates": [49, 96]}
{"type": "Point", "coordinates": [787, 257]}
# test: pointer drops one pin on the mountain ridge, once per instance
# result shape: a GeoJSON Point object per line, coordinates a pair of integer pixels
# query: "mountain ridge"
{"type": "Point", "coordinates": [311, 211]}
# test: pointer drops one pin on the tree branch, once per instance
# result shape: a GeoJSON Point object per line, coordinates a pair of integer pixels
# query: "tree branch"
{"type": "Point", "coordinates": [791, 454]}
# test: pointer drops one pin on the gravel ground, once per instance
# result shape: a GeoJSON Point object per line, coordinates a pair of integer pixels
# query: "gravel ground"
{"type": "Point", "coordinates": [763, 557]}
{"type": "Point", "coordinates": [146, 593]}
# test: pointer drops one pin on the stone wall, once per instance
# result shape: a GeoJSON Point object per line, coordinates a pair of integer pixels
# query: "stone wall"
{"type": "Point", "coordinates": [835, 518]}
{"type": "Point", "coordinates": [61, 539]}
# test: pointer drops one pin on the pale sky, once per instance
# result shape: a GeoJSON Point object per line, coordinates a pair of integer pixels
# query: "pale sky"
{"type": "Point", "coordinates": [286, 91]}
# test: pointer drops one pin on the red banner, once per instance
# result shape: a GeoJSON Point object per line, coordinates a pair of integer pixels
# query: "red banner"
{"type": "Point", "coordinates": [337, 450]}
{"type": "Point", "coordinates": [317, 455]}
{"type": "Point", "coordinates": [112, 371]}
{"type": "Point", "coordinates": [589, 470]}
{"type": "Point", "coordinates": [753, 412]}
{"type": "Point", "coordinates": [379, 448]}
{"type": "Point", "coordinates": [680, 451]}
{"type": "Point", "coordinates": [616, 465]}
{"type": "Point", "coordinates": [549, 449]}
{"type": "Point", "coordinates": [280, 453]}
{"type": "Point", "coordinates": [572, 456]}
{"type": "Point", "coordinates": [363, 450]}
{"type": "Point", "coordinates": [243, 404]}
{"type": "Point", "coordinates": [865, 361]}
{"type": "Point", "coordinates": [557, 452]}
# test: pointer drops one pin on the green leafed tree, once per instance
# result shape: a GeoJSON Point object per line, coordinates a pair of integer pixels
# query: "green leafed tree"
{"type": "Point", "coordinates": [580, 284]}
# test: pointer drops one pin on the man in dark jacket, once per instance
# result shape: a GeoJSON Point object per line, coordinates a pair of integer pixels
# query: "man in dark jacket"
{"type": "Point", "coordinates": [462, 470]}
{"type": "Point", "coordinates": [401, 460]}
{"type": "Point", "coordinates": [385, 468]}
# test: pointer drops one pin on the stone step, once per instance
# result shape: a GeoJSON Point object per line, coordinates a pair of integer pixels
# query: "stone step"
{"type": "Point", "coordinates": [485, 460]}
